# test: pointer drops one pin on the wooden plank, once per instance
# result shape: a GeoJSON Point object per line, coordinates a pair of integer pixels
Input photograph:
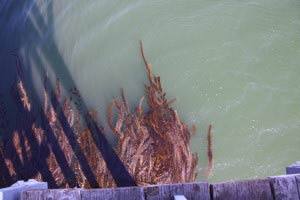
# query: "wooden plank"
{"type": "Point", "coordinates": [15, 190]}
{"type": "Point", "coordinates": [293, 169]}
{"type": "Point", "coordinates": [298, 183]}
{"type": "Point", "coordinates": [32, 195]}
{"type": "Point", "coordinates": [127, 193]}
{"type": "Point", "coordinates": [192, 191]}
{"type": "Point", "coordinates": [246, 190]}
{"type": "Point", "coordinates": [57, 194]}
{"type": "Point", "coordinates": [284, 187]}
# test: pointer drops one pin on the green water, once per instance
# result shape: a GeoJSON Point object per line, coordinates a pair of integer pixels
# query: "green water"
{"type": "Point", "coordinates": [234, 64]}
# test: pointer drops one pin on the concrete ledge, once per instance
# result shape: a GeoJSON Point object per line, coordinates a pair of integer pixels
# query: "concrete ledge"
{"type": "Point", "coordinates": [14, 191]}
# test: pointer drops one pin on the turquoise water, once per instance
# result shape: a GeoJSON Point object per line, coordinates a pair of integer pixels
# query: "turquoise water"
{"type": "Point", "coordinates": [234, 64]}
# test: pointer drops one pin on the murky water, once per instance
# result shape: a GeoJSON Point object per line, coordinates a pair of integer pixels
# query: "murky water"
{"type": "Point", "coordinates": [234, 64]}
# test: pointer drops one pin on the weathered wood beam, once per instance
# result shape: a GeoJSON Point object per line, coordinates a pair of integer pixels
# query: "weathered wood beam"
{"type": "Point", "coordinates": [272, 188]}
{"type": "Point", "coordinates": [126, 193]}
{"type": "Point", "coordinates": [246, 190]}
{"type": "Point", "coordinates": [285, 187]}
{"type": "Point", "coordinates": [195, 191]}
{"type": "Point", "coordinates": [55, 194]}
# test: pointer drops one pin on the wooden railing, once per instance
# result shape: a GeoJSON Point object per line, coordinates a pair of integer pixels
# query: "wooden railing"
{"type": "Point", "coordinates": [276, 187]}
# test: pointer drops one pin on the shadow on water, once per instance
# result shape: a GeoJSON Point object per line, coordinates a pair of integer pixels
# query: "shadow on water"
{"type": "Point", "coordinates": [27, 36]}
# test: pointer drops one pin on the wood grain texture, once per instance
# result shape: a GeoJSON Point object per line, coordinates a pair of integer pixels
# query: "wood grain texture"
{"type": "Point", "coordinates": [277, 187]}
{"type": "Point", "coordinates": [130, 193]}
{"type": "Point", "coordinates": [298, 183]}
{"type": "Point", "coordinates": [246, 190]}
{"type": "Point", "coordinates": [192, 191]}
{"type": "Point", "coordinates": [58, 194]}
{"type": "Point", "coordinates": [285, 187]}
{"type": "Point", "coordinates": [32, 195]}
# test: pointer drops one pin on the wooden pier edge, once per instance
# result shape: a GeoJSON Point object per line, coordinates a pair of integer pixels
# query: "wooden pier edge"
{"type": "Point", "coordinates": [275, 187]}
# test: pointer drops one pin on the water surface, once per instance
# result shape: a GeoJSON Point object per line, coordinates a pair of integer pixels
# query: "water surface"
{"type": "Point", "coordinates": [234, 64]}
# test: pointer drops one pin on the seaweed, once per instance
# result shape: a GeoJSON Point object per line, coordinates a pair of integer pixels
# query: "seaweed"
{"type": "Point", "coordinates": [209, 168]}
{"type": "Point", "coordinates": [153, 144]}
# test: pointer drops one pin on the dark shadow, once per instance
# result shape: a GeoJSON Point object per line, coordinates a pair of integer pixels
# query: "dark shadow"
{"type": "Point", "coordinates": [5, 178]}
{"type": "Point", "coordinates": [24, 169]}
